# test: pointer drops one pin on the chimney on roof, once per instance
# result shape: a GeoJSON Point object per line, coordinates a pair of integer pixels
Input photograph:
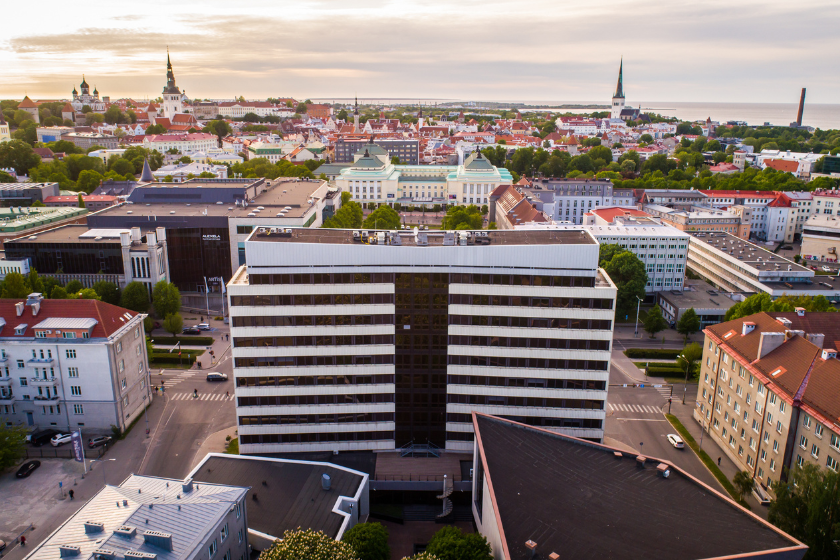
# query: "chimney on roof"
{"type": "Point", "coordinates": [800, 311]}
{"type": "Point", "coordinates": [19, 307]}
{"type": "Point", "coordinates": [769, 341]}
{"type": "Point", "coordinates": [187, 485]}
{"type": "Point", "coordinates": [829, 354]}
{"type": "Point", "coordinates": [817, 339]}
{"type": "Point", "coordinates": [532, 546]}
{"type": "Point", "coordinates": [747, 328]}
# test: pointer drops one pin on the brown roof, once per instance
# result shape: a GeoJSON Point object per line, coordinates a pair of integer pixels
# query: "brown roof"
{"type": "Point", "coordinates": [788, 364]}
{"type": "Point", "coordinates": [110, 318]}
{"type": "Point", "coordinates": [823, 390]}
{"type": "Point", "coordinates": [782, 165]}
{"type": "Point", "coordinates": [746, 346]}
{"type": "Point", "coordinates": [27, 103]}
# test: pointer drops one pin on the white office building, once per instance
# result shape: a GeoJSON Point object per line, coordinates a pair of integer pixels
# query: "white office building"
{"type": "Point", "coordinates": [356, 340]}
{"type": "Point", "coordinates": [71, 363]}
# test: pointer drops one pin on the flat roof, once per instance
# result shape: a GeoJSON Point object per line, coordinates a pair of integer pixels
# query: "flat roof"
{"type": "Point", "coordinates": [12, 221]}
{"type": "Point", "coordinates": [284, 494]}
{"type": "Point", "coordinates": [294, 194]}
{"type": "Point", "coordinates": [584, 500]}
{"type": "Point", "coordinates": [749, 253]}
{"type": "Point", "coordinates": [577, 236]}
{"type": "Point", "coordinates": [700, 296]}
{"type": "Point", "coordinates": [73, 233]}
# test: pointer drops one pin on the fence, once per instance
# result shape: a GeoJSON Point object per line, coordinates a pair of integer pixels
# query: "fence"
{"type": "Point", "coordinates": [60, 453]}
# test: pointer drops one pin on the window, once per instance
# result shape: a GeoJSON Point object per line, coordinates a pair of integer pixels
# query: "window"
{"type": "Point", "coordinates": [137, 332]}
{"type": "Point", "coordinates": [772, 398]}
{"type": "Point", "coordinates": [119, 347]}
{"type": "Point", "coordinates": [763, 455]}
{"type": "Point", "coordinates": [224, 532]}
{"type": "Point", "coordinates": [760, 472]}
{"type": "Point", "coordinates": [212, 549]}
{"type": "Point", "coordinates": [815, 451]}
{"type": "Point", "coordinates": [73, 372]}
{"type": "Point", "coordinates": [799, 461]}
{"type": "Point", "coordinates": [23, 382]}
{"type": "Point", "coordinates": [766, 437]}
{"type": "Point", "coordinates": [769, 418]}
{"type": "Point", "coordinates": [21, 364]}
{"type": "Point", "coordinates": [806, 421]}
{"type": "Point", "coordinates": [831, 463]}
{"type": "Point", "coordinates": [238, 510]}
{"type": "Point", "coordinates": [71, 353]}
{"type": "Point", "coordinates": [782, 407]}
{"type": "Point", "coordinates": [123, 383]}
{"type": "Point", "coordinates": [818, 430]}
{"type": "Point", "coordinates": [78, 409]}
{"type": "Point", "coordinates": [75, 390]}
{"type": "Point", "coordinates": [779, 426]}
{"type": "Point", "coordinates": [775, 446]}
{"type": "Point", "coordinates": [122, 366]}
{"type": "Point", "coordinates": [773, 465]}
{"type": "Point", "coordinates": [240, 536]}
{"type": "Point", "coordinates": [835, 441]}
{"type": "Point", "coordinates": [66, 334]}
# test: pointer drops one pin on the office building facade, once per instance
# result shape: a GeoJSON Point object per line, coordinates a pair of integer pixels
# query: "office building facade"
{"type": "Point", "coordinates": [344, 340]}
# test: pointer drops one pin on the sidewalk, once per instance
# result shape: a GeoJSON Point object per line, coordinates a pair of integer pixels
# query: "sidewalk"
{"type": "Point", "coordinates": [684, 412]}
{"type": "Point", "coordinates": [215, 443]}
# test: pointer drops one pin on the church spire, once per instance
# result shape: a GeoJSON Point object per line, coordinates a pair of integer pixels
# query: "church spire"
{"type": "Point", "coordinates": [356, 106]}
{"type": "Point", "coordinates": [619, 88]}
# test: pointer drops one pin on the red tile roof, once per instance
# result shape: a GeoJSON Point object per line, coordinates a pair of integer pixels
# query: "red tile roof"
{"type": "Point", "coordinates": [610, 214]}
{"type": "Point", "coordinates": [783, 165]}
{"type": "Point", "coordinates": [739, 194]}
{"type": "Point", "coordinates": [26, 103]}
{"type": "Point", "coordinates": [85, 197]}
{"type": "Point", "coordinates": [781, 201]}
{"type": "Point", "coordinates": [110, 318]}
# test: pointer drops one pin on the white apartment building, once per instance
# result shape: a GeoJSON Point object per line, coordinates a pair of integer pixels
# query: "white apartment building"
{"type": "Point", "coordinates": [235, 109]}
{"type": "Point", "coordinates": [181, 172]}
{"type": "Point", "coordinates": [377, 340]}
{"type": "Point", "coordinates": [184, 143]}
{"type": "Point", "coordinates": [71, 363]}
{"type": "Point", "coordinates": [21, 266]}
{"type": "Point", "coordinates": [567, 200]}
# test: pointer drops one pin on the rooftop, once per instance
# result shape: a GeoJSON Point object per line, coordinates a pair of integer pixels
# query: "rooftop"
{"type": "Point", "coordinates": [146, 504]}
{"type": "Point", "coordinates": [825, 221]}
{"type": "Point", "coordinates": [700, 297]}
{"type": "Point", "coordinates": [609, 214]}
{"type": "Point", "coordinates": [584, 500]}
{"type": "Point", "coordinates": [74, 233]}
{"type": "Point", "coordinates": [749, 253]}
{"type": "Point", "coordinates": [13, 221]}
{"type": "Point", "coordinates": [430, 238]}
{"type": "Point", "coordinates": [108, 318]}
{"type": "Point", "coordinates": [286, 494]}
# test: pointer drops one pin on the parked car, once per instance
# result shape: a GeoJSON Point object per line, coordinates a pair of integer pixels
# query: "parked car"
{"type": "Point", "coordinates": [190, 330]}
{"type": "Point", "coordinates": [60, 439]}
{"type": "Point", "coordinates": [203, 326]}
{"type": "Point", "coordinates": [676, 441]}
{"type": "Point", "coordinates": [826, 269]}
{"type": "Point", "coordinates": [2, 544]}
{"type": "Point", "coordinates": [812, 267]}
{"type": "Point", "coordinates": [26, 469]}
{"type": "Point", "coordinates": [98, 441]}
{"type": "Point", "coordinates": [216, 376]}
{"type": "Point", "coordinates": [42, 437]}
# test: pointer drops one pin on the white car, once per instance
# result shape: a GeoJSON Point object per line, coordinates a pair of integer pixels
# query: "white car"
{"type": "Point", "coordinates": [826, 269]}
{"type": "Point", "coordinates": [203, 326]}
{"type": "Point", "coordinates": [60, 439]}
{"type": "Point", "coordinates": [676, 441]}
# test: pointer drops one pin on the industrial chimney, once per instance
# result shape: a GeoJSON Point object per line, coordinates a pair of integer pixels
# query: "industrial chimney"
{"type": "Point", "coordinates": [801, 108]}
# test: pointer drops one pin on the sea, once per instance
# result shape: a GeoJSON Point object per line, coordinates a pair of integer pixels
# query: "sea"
{"type": "Point", "coordinates": [818, 115]}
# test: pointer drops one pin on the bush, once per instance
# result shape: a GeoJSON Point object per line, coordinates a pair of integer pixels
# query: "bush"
{"type": "Point", "coordinates": [188, 340]}
{"type": "Point", "coordinates": [665, 371]}
{"type": "Point", "coordinates": [369, 540]}
{"type": "Point", "coordinates": [652, 353]}
{"type": "Point", "coordinates": [306, 544]}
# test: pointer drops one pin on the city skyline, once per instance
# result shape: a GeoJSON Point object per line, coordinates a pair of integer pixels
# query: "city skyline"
{"type": "Point", "coordinates": [468, 51]}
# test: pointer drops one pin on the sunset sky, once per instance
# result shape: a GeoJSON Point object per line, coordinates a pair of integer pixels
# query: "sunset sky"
{"type": "Point", "coordinates": [712, 51]}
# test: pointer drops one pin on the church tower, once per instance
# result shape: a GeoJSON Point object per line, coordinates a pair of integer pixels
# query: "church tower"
{"type": "Point", "coordinates": [618, 98]}
{"type": "Point", "coordinates": [172, 104]}
{"type": "Point", "coordinates": [356, 115]}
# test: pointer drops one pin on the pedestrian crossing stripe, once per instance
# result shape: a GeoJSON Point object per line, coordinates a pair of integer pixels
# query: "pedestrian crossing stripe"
{"type": "Point", "coordinates": [204, 397]}
{"type": "Point", "coordinates": [645, 409]}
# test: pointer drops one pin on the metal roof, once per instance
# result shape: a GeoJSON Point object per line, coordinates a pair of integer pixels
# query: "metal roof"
{"type": "Point", "coordinates": [146, 504]}
{"type": "Point", "coordinates": [67, 323]}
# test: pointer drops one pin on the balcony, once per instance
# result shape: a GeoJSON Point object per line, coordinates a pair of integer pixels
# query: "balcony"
{"type": "Point", "coordinates": [42, 398]}
{"type": "Point", "coordinates": [40, 360]}
{"type": "Point", "coordinates": [3, 358]}
{"type": "Point", "coordinates": [7, 398]}
{"type": "Point", "coordinates": [5, 381]}
{"type": "Point", "coordinates": [43, 381]}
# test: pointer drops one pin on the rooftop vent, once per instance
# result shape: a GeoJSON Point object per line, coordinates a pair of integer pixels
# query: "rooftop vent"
{"type": "Point", "coordinates": [69, 550]}
{"type": "Point", "coordinates": [800, 311]}
{"type": "Point", "coordinates": [104, 554]}
{"type": "Point", "coordinates": [126, 531]}
{"type": "Point", "coordinates": [747, 328]}
{"type": "Point", "coordinates": [158, 539]}
{"type": "Point", "coordinates": [663, 469]}
{"type": "Point", "coordinates": [94, 526]}
{"type": "Point", "coordinates": [187, 485]}
{"type": "Point", "coordinates": [326, 481]}
{"type": "Point", "coordinates": [140, 555]}
{"type": "Point", "coordinates": [829, 354]}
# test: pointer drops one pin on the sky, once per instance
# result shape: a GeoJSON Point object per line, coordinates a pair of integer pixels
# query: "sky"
{"type": "Point", "coordinates": [546, 50]}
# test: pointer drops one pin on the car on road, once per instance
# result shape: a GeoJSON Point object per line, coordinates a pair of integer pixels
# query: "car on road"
{"type": "Point", "coordinates": [2, 544]}
{"type": "Point", "coordinates": [60, 439]}
{"type": "Point", "coordinates": [812, 267]}
{"type": "Point", "coordinates": [190, 330]}
{"type": "Point", "coordinates": [26, 469]}
{"type": "Point", "coordinates": [216, 376]}
{"type": "Point", "coordinates": [42, 437]}
{"type": "Point", "coordinates": [203, 326]}
{"type": "Point", "coordinates": [676, 441]}
{"type": "Point", "coordinates": [825, 269]}
{"type": "Point", "coordinates": [98, 441]}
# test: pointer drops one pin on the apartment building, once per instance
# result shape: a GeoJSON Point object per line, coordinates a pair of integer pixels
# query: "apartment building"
{"type": "Point", "coordinates": [568, 200]}
{"type": "Point", "coordinates": [820, 238]}
{"type": "Point", "coordinates": [377, 340]}
{"type": "Point", "coordinates": [71, 363]}
{"type": "Point", "coordinates": [700, 219]}
{"type": "Point", "coordinates": [407, 149]}
{"type": "Point", "coordinates": [767, 394]}
{"type": "Point", "coordinates": [146, 517]}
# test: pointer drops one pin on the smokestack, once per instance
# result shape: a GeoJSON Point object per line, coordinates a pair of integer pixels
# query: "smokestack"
{"type": "Point", "coordinates": [801, 108]}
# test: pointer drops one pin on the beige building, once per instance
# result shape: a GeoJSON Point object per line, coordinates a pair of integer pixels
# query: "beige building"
{"type": "Point", "coordinates": [768, 392]}
{"type": "Point", "coordinates": [820, 238]}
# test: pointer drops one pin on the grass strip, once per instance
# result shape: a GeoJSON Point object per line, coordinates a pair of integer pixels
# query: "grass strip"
{"type": "Point", "coordinates": [232, 447]}
{"type": "Point", "coordinates": [704, 457]}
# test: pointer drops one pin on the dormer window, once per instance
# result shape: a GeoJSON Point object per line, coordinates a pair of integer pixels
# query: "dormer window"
{"type": "Point", "coordinates": [20, 329]}
{"type": "Point", "coordinates": [40, 334]}
{"type": "Point", "coordinates": [66, 334]}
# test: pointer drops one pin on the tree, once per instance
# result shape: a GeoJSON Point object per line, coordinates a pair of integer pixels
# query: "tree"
{"type": "Point", "coordinates": [762, 302]}
{"type": "Point", "coordinates": [107, 292]}
{"type": "Point", "coordinates": [155, 129]}
{"type": "Point", "coordinates": [306, 544]}
{"type": "Point", "coordinates": [19, 156]}
{"type": "Point", "coordinates": [342, 115]}
{"type": "Point", "coordinates": [82, 199]}
{"type": "Point", "coordinates": [689, 323]}
{"type": "Point", "coordinates": [383, 217]}
{"type": "Point", "coordinates": [463, 217]}
{"type": "Point", "coordinates": [12, 444]}
{"type": "Point", "coordinates": [34, 283]}
{"type": "Point", "coordinates": [369, 540]}
{"type": "Point", "coordinates": [807, 507]}
{"type": "Point", "coordinates": [628, 273]}
{"type": "Point", "coordinates": [301, 108]}
{"type": "Point", "coordinates": [47, 286]}
{"type": "Point", "coordinates": [690, 357]}
{"type": "Point", "coordinates": [166, 299]}
{"type": "Point", "coordinates": [451, 543]}
{"type": "Point", "coordinates": [15, 286]}
{"type": "Point", "coordinates": [422, 556]}
{"type": "Point", "coordinates": [173, 323]}
{"type": "Point", "coordinates": [647, 138]}
{"type": "Point", "coordinates": [73, 286]}
{"type": "Point", "coordinates": [743, 483]}
{"type": "Point", "coordinates": [600, 152]}
{"type": "Point", "coordinates": [654, 321]}
{"type": "Point", "coordinates": [135, 296]}
{"type": "Point", "coordinates": [122, 167]}
{"type": "Point", "coordinates": [87, 293]}
{"type": "Point", "coordinates": [6, 178]}
{"type": "Point", "coordinates": [349, 216]}
{"type": "Point", "coordinates": [58, 292]}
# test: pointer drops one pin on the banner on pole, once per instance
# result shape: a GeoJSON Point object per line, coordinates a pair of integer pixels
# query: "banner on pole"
{"type": "Point", "coordinates": [78, 448]}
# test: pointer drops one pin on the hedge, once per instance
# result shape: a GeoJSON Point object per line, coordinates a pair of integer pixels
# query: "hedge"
{"type": "Point", "coordinates": [171, 359]}
{"type": "Point", "coordinates": [665, 372]}
{"type": "Point", "coordinates": [657, 353]}
{"type": "Point", "coordinates": [189, 340]}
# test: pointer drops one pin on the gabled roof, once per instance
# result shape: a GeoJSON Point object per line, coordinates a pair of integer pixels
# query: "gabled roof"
{"type": "Point", "coordinates": [783, 165]}
{"type": "Point", "coordinates": [609, 214]}
{"type": "Point", "coordinates": [477, 162]}
{"type": "Point", "coordinates": [110, 318]}
{"type": "Point", "coordinates": [584, 500]}
{"type": "Point", "coordinates": [27, 103]}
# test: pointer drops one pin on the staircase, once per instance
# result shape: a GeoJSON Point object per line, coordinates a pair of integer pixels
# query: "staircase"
{"type": "Point", "coordinates": [448, 488]}
{"type": "Point", "coordinates": [412, 449]}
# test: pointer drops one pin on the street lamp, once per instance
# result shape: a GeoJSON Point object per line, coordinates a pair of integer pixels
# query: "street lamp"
{"type": "Point", "coordinates": [638, 307]}
{"type": "Point", "coordinates": [685, 385]}
{"type": "Point", "coordinates": [103, 461]}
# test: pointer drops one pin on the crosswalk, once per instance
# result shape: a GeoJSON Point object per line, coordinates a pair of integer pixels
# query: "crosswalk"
{"type": "Point", "coordinates": [643, 408]}
{"type": "Point", "coordinates": [201, 397]}
{"type": "Point", "coordinates": [172, 381]}
{"type": "Point", "coordinates": [665, 390]}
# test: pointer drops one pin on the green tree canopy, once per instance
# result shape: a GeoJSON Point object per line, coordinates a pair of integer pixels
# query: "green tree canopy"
{"type": "Point", "coordinates": [19, 156]}
{"type": "Point", "coordinates": [463, 217]}
{"type": "Point", "coordinates": [369, 540]}
{"type": "Point", "coordinates": [34, 282]}
{"type": "Point", "coordinates": [166, 298]}
{"type": "Point", "coordinates": [58, 292]}
{"type": "Point", "coordinates": [757, 303]}
{"type": "Point", "coordinates": [349, 216]}
{"type": "Point", "coordinates": [73, 286]}
{"type": "Point", "coordinates": [807, 507]}
{"type": "Point", "coordinates": [654, 321]}
{"type": "Point", "coordinates": [173, 323]}
{"type": "Point", "coordinates": [689, 323]}
{"type": "Point", "coordinates": [87, 293]}
{"type": "Point", "coordinates": [306, 544]}
{"type": "Point", "coordinates": [107, 292]}
{"type": "Point", "coordinates": [383, 217]}
{"type": "Point", "coordinates": [135, 296]}
{"type": "Point", "coordinates": [627, 273]}
{"type": "Point", "coordinates": [15, 286]}
{"type": "Point", "coordinates": [12, 444]}
{"type": "Point", "coordinates": [88, 181]}
{"type": "Point", "coordinates": [451, 543]}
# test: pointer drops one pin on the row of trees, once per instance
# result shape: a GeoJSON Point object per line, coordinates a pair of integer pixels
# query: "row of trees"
{"type": "Point", "coordinates": [762, 302]}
